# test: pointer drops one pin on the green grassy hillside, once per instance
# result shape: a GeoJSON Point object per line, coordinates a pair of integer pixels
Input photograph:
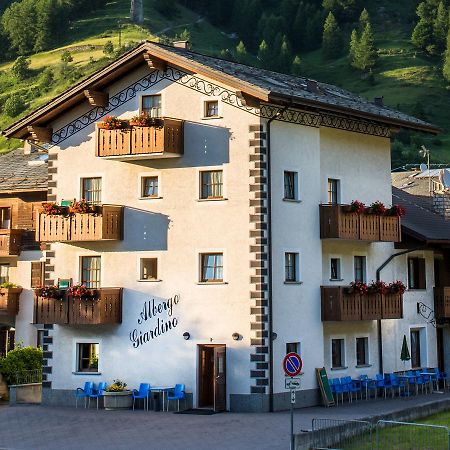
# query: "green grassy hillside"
{"type": "Point", "coordinates": [408, 80]}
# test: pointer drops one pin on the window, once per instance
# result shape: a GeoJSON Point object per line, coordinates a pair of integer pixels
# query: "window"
{"type": "Point", "coordinates": [337, 353]}
{"type": "Point", "coordinates": [212, 108]}
{"type": "Point", "coordinates": [40, 338]}
{"type": "Point", "coordinates": [290, 185]}
{"type": "Point", "coordinates": [211, 267]}
{"type": "Point", "coordinates": [91, 190]}
{"type": "Point", "coordinates": [362, 351]}
{"type": "Point", "coordinates": [151, 104]}
{"type": "Point", "coordinates": [333, 191]}
{"type": "Point", "coordinates": [416, 273]}
{"type": "Point", "coordinates": [4, 273]}
{"type": "Point", "coordinates": [87, 357]}
{"type": "Point", "coordinates": [291, 267]}
{"type": "Point", "coordinates": [5, 218]}
{"type": "Point", "coordinates": [335, 269]}
{"type": "Point", "coordinates": [149, 269]}
{"type": "Point", "coordinates": [211, 184]}
{"type": "Point", "coordinates": [293, 347]}
{"type": "Point", "coordinates": [360, 268]}
{"type": "Point", "coordinates": [149, 187]}
{"type": "Point", "coordinates": [415, 348]}
{"type": "Point", "coordinates": [90, 271]}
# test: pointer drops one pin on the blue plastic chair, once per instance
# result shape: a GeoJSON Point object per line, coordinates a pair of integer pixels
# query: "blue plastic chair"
{"type": "Point", "coordinates": [346, 389]}
{"type": "Point", "coordinates": [396, 383]}
{"type": "Point", "coordinates": [178, 394]}
{"type": "Point", "coordinates": [381, 383]}
{"type": "Point", "coordinates": [368, 385]}
{"type": "Point", "coordinates": [97, 393]}
{"type": "Point", "coordinates": [84, 392]}
{"type": "Point", "coordinates": [142, 393]}
{"type": "Point", "coordinates": [420, 380]}
{"type": "Point", "coordinates": [354, 387]}
{"type": "Point", "coordinates": [338, 389]}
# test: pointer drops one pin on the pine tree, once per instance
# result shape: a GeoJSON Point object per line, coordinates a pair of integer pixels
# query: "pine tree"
{"type": "Point", "coordinates": [332, 38]}
{"type": "Point", "coordinates": [296, 66]}
{"type": "Point", "coordinates": [364, 19]}
{"type": "Point", "coordinates": [354, 48]}
{"type": "Point", "coordinates": [241, 53]}
{"type": "Point", "coordinates": [446, 67]}
{"type": "Point", "coordinates": [284, 60]}
{"type": "Point", "coordinates": [440, 27]}
{"type": "Point", "coordinates": [366, 55]}
{"type": "Point", "coordinates": [422, 36]}
{"type": "Point", "coordinates": [264, 55]}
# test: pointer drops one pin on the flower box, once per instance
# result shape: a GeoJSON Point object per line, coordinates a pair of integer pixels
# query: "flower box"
{"type": "Point", "coordinates": [118, 400]}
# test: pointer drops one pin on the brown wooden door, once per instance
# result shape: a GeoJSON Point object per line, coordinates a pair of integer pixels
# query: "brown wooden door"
{"type": "Point", "coordinates": [440, 349]}
{"type": "Point", "coordinates": [220, 379]}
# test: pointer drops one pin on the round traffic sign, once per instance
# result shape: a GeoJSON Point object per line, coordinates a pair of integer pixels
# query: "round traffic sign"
{"type": "Point", "coordinates": [292, 364]}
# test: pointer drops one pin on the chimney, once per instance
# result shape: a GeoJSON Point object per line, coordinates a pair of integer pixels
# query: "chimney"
{"type": "Point", "coordinates": [181, 44]}
{"type": "Point", "coordinates": [379, 101]}
{"type": "Point", "coordinates": [312, 86]}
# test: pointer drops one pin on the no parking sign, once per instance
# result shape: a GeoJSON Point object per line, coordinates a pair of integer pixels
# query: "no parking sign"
{"type": "Point", "coordinates": [292, 364]}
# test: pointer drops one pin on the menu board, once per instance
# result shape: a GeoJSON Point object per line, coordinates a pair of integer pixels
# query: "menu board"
{"type": "Point", "coordinates": [324, 384]}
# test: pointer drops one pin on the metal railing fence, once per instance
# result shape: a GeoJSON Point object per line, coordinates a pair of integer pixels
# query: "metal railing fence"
{"type": "Point", "coordinates": [29, 376]}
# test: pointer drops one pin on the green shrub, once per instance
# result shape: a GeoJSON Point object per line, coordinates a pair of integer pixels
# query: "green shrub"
{"type": "Point", "coordinates": [14, 105]}
{"type": "Point", "coordinates": [21, 68]}
{"type": "Point", "coordinates": [108, 48]}
{"type": "Point", "coordinates": [19, 360]}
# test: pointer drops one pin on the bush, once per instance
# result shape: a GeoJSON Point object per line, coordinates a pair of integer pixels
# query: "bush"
{"type": "Point", "coordinates": [14, 105]}
{"type": "Point", "coordinates": [46, 79]}
{"type": "Point", "coordinates": [108, 48]}
{"type": "Point", "coordinates": [21, 68]}
{"type": "Point", "coordinates": [19, 360]}
{"type": "Point", "coordinates": [66, 56]}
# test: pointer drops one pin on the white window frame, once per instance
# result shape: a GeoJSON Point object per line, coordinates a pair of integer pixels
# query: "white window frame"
{"type": "Point", "coordinates": [296, 198]}
{"type": "Point", "coordinates": [368, 356]}
{"type": "Point", "coordinates": [298, 272]}
{"type": "Point", "coordinates": [339, 257]}
{"type": "Point", "coordinates": [344, 347]}
{"type": "Point", "coordinates": [158, 266]}
{"type": "Point", "coordinates": [224, 183]}
{"type": "Point", "coordinates": [205, 99]}
{"type": "Point", "coordinates": [298, 346]}
{"type": "Point", "coordinates": [79, 269]}
{"type": "Point", "coordinates": [75, 356]}
{"type": "Point", "coordinates": [198, 264]}
{"type": "Point", "coordinates": [80, 185]}
{"type": "Point", "coordinates": [141, 177]}
{"type": "Point", "coordinates": [149, 94]}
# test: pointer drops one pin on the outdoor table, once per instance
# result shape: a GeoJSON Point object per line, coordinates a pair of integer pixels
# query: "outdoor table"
{"type": "Point", "coordinates": [365, 383]}
{"type": "Point", "coordinates": [431, 375]}
{"type": "Point", "coordinates": [163, 390]}
{"type": "Point", "coordinates": [407, 379]}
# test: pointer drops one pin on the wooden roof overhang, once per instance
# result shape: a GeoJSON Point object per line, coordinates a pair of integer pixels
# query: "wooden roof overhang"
{"type": "Point", "coordinates": [154, 55]}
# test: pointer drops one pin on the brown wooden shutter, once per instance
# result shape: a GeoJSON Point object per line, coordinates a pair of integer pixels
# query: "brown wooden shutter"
{"type": "Point", "coordinates": [422, 274]}
{"type": "Point", "coordinates": [37, 274]}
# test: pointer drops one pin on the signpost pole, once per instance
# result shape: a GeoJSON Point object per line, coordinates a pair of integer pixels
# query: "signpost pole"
{"type": "Point", "coordinates": [292, 417]}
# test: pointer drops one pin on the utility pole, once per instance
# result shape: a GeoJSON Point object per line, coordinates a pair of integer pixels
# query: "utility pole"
{"type": "Point", "coordinates": [425, 152]}
{"type": "Point", "coordinates": [119, 24]}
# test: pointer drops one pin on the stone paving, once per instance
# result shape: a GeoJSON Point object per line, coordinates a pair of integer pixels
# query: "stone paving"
{"type": "Point", "coordinates": [27, 427]}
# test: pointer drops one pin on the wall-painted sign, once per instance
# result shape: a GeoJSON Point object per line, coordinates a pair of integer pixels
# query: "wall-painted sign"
{"type": "Point", "coordinates": [157, 317]}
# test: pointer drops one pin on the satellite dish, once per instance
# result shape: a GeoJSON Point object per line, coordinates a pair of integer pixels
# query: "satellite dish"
{"type": "Point", "coordinates": [446, 178]}
{"type": "Point", "coordinates": [423, 167]}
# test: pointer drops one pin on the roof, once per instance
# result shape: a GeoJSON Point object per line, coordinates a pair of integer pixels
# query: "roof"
{"type": "Point", "coordinates": [420, 221]}
{"type": "Point", "coordinates": [264, 85]}
{"type": "Point", "coordinates": [413, 182]}
{"type": "Point", "coordinates": [21, 172]}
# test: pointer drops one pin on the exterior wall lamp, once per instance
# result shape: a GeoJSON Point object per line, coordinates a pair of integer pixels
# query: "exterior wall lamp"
{"type": "Point", "coordinates": [236, 336]}
{"type": "Point", "coordinates": [186, 336]}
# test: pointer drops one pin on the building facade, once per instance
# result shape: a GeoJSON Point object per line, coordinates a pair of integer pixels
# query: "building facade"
{"type": "Point", "coordinates": [214, 237]}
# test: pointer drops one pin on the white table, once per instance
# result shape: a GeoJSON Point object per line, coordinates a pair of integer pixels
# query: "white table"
{"type": "Point", "coordinates": [162, 390]}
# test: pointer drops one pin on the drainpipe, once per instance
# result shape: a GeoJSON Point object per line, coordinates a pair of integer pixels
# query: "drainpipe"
{"type": "Point", "coordinates": [380, 334]}
{"type": "Point", "coordinates": [269, 251]}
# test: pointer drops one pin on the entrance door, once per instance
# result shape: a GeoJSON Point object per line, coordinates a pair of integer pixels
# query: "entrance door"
{"type": "Point", "coordinates": [440, 349]}
{"type": "Point", "coordinates": [220, 379]}
{"type": "Point", "coordinates": [212, 377]}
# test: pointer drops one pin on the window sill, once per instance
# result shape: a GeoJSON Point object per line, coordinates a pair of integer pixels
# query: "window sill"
{"type": "Point", "coordinates": [339, 368]}
{"type": "Point", "coordinates": [418, 289]}
{"type": "Point", "coordinates": [88, 374]}
{"type": "Point", "coordinates": [293, 282]}
{"type": "Point", "coordinates": [150, 198]}
{"type": "Point", "coordinates": [212, 199]}
{"type": "Point", "coordinates": [336, 279]}
{"type": "Point", "coordinates": [149, 281]}
{"type": "Point", "coordinates": [363, 366]}
{"type": "Point", "coordinates": [291, 200]}
{"type": "Point", "coordinates": [212, 117]}
{"type": "Point", "coordinates": [211, 283]}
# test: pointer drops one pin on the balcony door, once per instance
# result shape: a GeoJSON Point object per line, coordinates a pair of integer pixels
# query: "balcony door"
{"type": "Point", "coordinates": [212, 377]}
{"type": "Point", "coordinates": [5, 218]}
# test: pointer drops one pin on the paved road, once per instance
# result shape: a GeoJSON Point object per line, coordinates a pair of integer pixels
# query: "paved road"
{"type": "Point", "coordinates": [43, 428]}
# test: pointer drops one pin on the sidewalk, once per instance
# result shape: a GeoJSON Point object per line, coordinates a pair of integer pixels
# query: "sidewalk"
{"type": "Point", "coordinates": [44, 428]}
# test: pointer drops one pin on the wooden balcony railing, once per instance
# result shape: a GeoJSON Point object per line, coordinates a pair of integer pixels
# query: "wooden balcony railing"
{"type": "Point", "coordinates": [442, 302]}
{"type": "Point", "coordinates": [106, 309]}
{"type": "Point", "coordinates": [9, 301]}
{"type": "Point", "coordinates": [107, 224]}
{"type": "Point", "coordinates": [10, 242]}
{"type": "Point", "coordinates": [336, 223]}
{"type": "Point", "coordinates": [164, 140]}
{"type": "Point", "coordinates": [338, 305]}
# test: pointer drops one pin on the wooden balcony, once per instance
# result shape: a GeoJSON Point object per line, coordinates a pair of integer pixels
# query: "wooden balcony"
{"type": "Point", "coordinates": [9, 301]}
{"type": "Point", "coordinates": [165, 140]}
{"type": "Point", "coordinates": [336, 223]}
{"type": "Point", "coordinates": [107, 224]}
{"type": "Point", "coordinates": [106, 309]}
{"type": "Point", "coordinates": [10, 242]}
{"type": "Point", "coordinates": [442, 302]}
{"type": "Point", "coordinates": [338, 305]}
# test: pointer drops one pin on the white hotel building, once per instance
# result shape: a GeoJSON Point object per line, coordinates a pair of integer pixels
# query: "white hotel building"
{"type": "Point", "coordinates": [210, 247]}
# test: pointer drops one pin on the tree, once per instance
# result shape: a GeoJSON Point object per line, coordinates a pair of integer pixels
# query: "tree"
{"type": "Point", "coordinates": [284, 60]}
{"type": "Point", "coordinates": [296, 66]}
{"type": "Point", "coordinates": [440, 27]}
{"type": "Point", "coordinates": [108, 49]}
{"type": "Point", "coordinates": [66, 56]}
{"type": "Point", "coordinates": [264, 55]}
{"type": "Point", "coordinates": [332, 38]}
{"type": "Point", "coordinates": [14, 105]}
{"type": "Point", "coordinates": [366, 55]}
{"type": "Point", "coordinates": [446, 66]}
{"type": "Point", "coordinates": [422, 36]}
{"type": "Point", "coordinates": [364, 19]}
{"type": "Point", "coordinates": [241, 53]}
{"type": "Point", "coordinates": [21, 68]}
{"type": "Point", "coordinates": [354, 48]}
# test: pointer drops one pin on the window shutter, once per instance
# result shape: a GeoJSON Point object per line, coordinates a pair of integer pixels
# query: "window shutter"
{"type": "Point", "coordinates": [422, 276]}
{"type": "Point", "coordinates": [37, 274]}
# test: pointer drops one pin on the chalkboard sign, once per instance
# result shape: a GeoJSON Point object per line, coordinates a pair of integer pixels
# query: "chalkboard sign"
{"type": "Point", "coordinates": [325, 389]}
